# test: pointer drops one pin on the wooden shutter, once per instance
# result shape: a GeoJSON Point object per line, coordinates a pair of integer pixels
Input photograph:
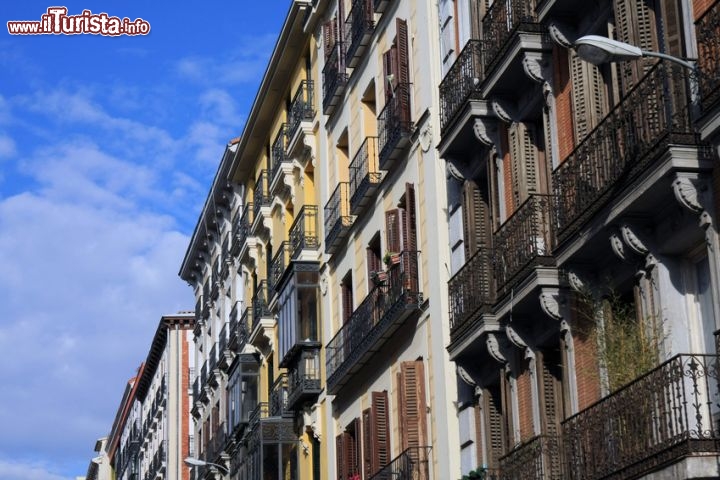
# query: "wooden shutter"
{"type": "Point", "coordinates": [413, 407]}
{"type": "Point", "coordinates": [508, 432]}
{"type": "Point", "coordinates": [374, 264]}
{"type": "Point", "coordinates": [403, 70]}
{"type": "Point", "coordinates": [476, 218]}
{"type": "Point", "coordinates": [392, 230]}
{"type": "Point", "coordinates": [635, 24]}
{"type": "Point", "coordinates": [347, 299]}
{"type": "Point", "coordinates": [340, 456]}
{"type": "Point", "coordinates": [524, 159]}
{"type": "Point", "coordinates": [330, 34]}
{"type": "Point", "coordinates": [381, 429]}
{"type": "Point", "coordinates": [492, 409]}
{"type": "Point", "coordinates": [409, 239]}
{"type": "Point", "coordinates": [390, 68]}
{"type": "Point", "coordinates": [352, 448]}
{"type": "Point", "coordinates": [589, 97]}
{"type": "Point", "coordinates": [368, 423]}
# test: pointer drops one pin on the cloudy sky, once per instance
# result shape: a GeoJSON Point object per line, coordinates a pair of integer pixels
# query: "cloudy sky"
{"type": "Point", "coordinates": [107, 148]}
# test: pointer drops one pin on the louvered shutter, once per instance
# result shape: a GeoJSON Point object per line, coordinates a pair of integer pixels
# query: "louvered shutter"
{"type": "Point", "coordinates": [392, 230]}
{"type": "Point", "coordinates": [409, 240]}
{"type": "Point", "coordinates": [524, 159]}
{"type": "Point", "coordinates": [354, 445]}
{"type": "Point", "coordinates": [476, 218]}
{"type": "Point", "coordinates": [329, 36]}
{"type": "Point", "coordinates": [508, 432]}
{"type": "Point", "coordinates": [414, 407]}
{"type": "Point", "coordinates": [340, 456]}
{"type": "Point", "coordinates": [368, 425]}
{"type": "Point", "coordinates": [381, 428]}
{"type": "Point", "coordinates": [403, 70]}
{"type": "Point", "coordinates": [552, 398]}
{"type": "Point", "coordinates": [588, 95]}
{"type": "Point", "coordinates": [374, 264]}
{"type": "Point", "coordinates": [492, 409]}
{"type": "Point", "coordinates": [635, 24]}
{"type": "Point", "coordinates": [347, 301]}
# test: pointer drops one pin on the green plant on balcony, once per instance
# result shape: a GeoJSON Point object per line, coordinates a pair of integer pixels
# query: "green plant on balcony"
{"type": "Point", "coordinates": [391, 258]}
{"type": "Point", "coordinates": [479, 473]}
{"type": "Point", "coordinates": [379, 277]}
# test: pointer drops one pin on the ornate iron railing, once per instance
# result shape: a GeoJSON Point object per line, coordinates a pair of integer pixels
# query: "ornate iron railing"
{"type": "Point", "coordinates": [337, 216]}
{"type": "Point", "coordinates": [304, 376]}
{"type": "Point", "coordinates": [471, 289]}
{"type": "Point", "coordinates": [500, 23]}
{"type": "Point", "coordinates": [365, 174]}
{"type": "Point", "coordinates": [212, 358]}
{"type": "Point", "coordinates": [279, 397]}
{"type": "Point", "coordinates": [241, 226]}
{"type": "Point", "coordinates": [280, 262]}
{"type": "Point", "coordinates": [203, 374]}
{"type": "Point", "coordinates": [301, 107]}
{"type": "Point", "coordinates": [707, 30]}
{"type": "Point", "coordinates": [304, 231]}
{"type": "Point", "coordinates": [381, 309]}
{"type": "Point", "coordinates": [335, 76]}
{"type": "Point", "coordinates": [359, 25]}
{"type": "Point", "coordinates": [233, 324]}
{"type": "Point", "coordinates": [411, 464]}
{"type": "Point", "coordinates": [524, 240]}
{"type": "Point", "coordinates": [261, 194]}
{"type": "Point", "coordinates": [653, 114]}
{"type": "Point", "coordinates": [462, 82]}
{"type": "Point", "coordinates": [278, 151]}
{"type": "Point", "coordinates": [538, 458]}
{"type": "Point", "coordinates": [245, 327]}
{"type": "Point", "coordinates": [223, 338]}
{"type": "Point", "coordinates": [661, 417]}
{"type": "Point", "coordinates": [394, 125]}
{"type": "Point", "coordinates": [261, 301]}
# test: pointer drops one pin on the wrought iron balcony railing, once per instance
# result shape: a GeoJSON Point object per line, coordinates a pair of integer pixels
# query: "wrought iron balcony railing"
{"type": "Point", "coordinates": [538, 458]}
{"type": "Point", "coordinates": [708, 40]}
{"type": "Point", "coordinates": [658, 419]}
{"type": "Point", "coordinates": [462, 82]}
{"type": "Point", "coordinates": [203, 374]}
{"type": "Point", "coordinates": [304, 231]}
{"type": "Point", "coordinates": [212, 359]}
{"type": "Point", "coordinates": [241, 227]}
{"type": "Point", "coordinates": [304, 378]}
{"type": "Point", "coordinates": [335, 78]}
{"type": "Point", "coordinates": [470, 290]}
{"type": "Point", "coordinates": [244, 327]}
{"type": "Point", "coordinates": [278, 151]}
{"type": "Point", "coordinates": [365, 175]}
{"type": "Point", "coordinates": [261, 302]}
{"type": "Point", "coordinates": [502, 20]}
{"type": "Point", "coordinates": [233, 323]}
{"type": "Point", "coordinates": [215, 280]}
{"type": "Point", "coordinates": [278, 265]}
{"type": "Point", "coordinates": [301, 108]}
{"type": "Point", "coordinates": [523, 241]}
{"type": "Point", "coordinates": [206, 297]}
{"type": "Point", "coordinates": [337, 217]}
{"type": "Point", "coordinates": [261, 194]}
{"type": "Point", "coordinates": [653, 114]}
{"type": "Point", "coordinates": [379, 315]}
{"type": "Point", "coordinates": [394, 126]}
{"type": "Point", "coordinates": [412, 464]}
{"type": "Point", "coordinates": [359, 27]}
{"type": "Point", "coordinates": [196, 389]}
{"type": "Point", "coordinates": [278, 397]}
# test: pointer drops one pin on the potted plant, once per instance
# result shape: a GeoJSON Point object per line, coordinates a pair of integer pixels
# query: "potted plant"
{"type": "Point", "coordinates": [391, 258]}
{"type": "Point", "coordinates": [378, 277]}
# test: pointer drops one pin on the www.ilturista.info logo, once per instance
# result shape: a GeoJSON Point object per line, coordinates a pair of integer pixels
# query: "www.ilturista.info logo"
{"type": "Point", "coordinates": [57, 22]}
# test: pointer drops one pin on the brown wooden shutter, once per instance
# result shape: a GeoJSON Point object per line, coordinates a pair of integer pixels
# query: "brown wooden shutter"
{"type": "Point", "coordinates": [476, 219]}
{"type": "Point", "coordinates": [347, 299]}
{"type": "Point", "coordinates": [381, 429]}
{"type": "Point", "coordinates": [403, 70]}
{"type": "Point", "coordinates": [588, 96]}
{"type": "Point", "coordinates": [409, 240]}
{"type": "Point", "coordinates": [508, 432]}
{"type": "Point", "coordinates": [392, 230]}
{"type": "Point", "coordinates": [352, 450]}
{"type": "Point", "coordinates": [413, 404]}
{"type": "Point", "coordinates": [635, 24]}
{"type": "Point", "coordinates": [329, 36]}
{"type": "Point", "coordinates": [340, 456]}
{"type": "Point", "coordinates": [492, 408]}
{"type": "Point", "coordinates": [673, 30]}
{"type": "Point", "coordinates": [368, 424]}
{"type": "Point", "coordinates": [374, 264]}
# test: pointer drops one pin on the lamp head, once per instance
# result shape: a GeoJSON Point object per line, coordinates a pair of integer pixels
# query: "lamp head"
{"type": "Point", "coordinates": [597, 50]}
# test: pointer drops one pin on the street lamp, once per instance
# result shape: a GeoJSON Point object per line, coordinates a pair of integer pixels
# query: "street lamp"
{"type": "Point", "coordinates": [596, 50]}
{"type": "Point", "coordinates": [196, 462]}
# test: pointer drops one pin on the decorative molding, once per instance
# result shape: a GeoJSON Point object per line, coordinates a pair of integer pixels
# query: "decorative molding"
{"type": "Point", "coordinates": [576, 283]}
{"type": "Point", "coordinates": [454, 172]}
{"type": "Point", "coordinates": [324, 283]}
{"type": "Point", "coordinates": [550, 304]}
{"type": "Point", "coordinates": [518, 341]}
{"type": "Point", "coordinates": [562, 34]}
{"type": "Point", "coordinates": [465, 377]}
{"type": "Point", "coordinates": [618, 247]}
{"type": "Point", "coordinates": [534, 66]}
{"type": "Point", "coordinates": [688, 194]}
{"type": "Point", "coordinates": [632, 240]}
{"type": "Point", "coordinates": [502, 111]}
{"type": "Point", "coordinates": [485, 131]}
{"type": "Point", "coordinates": [493, 347]}
{"type": "Point", "coordinates": [426, 137]}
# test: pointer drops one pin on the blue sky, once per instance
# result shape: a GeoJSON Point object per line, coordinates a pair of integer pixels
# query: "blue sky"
{"type": "Point", "coordinates": [108, 146]}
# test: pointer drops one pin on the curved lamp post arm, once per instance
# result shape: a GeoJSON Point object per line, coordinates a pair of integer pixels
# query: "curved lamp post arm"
{"type": "Point", "coordinates": [597, 49]}
{"type": "Point", "coordinates": [196, 462]}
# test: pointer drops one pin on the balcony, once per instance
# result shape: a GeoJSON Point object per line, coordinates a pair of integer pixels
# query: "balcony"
{"type": "Point", "coordinates": [462, 83]}
{"type": "Point", "coordinates": [413, 463]}
{"type": "Point", "coordinates": [661, 418]}
{"type": "Point", "coordinates": [233, 324]}
{"type": "Point", "coordinates": [278, 156]}
{"type": "Point", "coordinates": [706, 30]}
{"type": "Point", "coordinates": [335, 78]}
{"type": "Point", "coordinates": [215, 280]}
{"type": "Point", "coordinates": [538, 458]}
{"type": "Point", "coordinates": [637, 132]}
{"type": "Point", "coordinates": [301, 110]}
{"type": "Point", "coordinates": [263, 320]}
{"type": "Point", "coordinates": [279, 264]}
{"type": "Point", "coordinates": [359, 27]}
{"type": "Point", "coordinates": [523, 242]}
{"type": "Point", "coordinates": [394, 126]}
{"type": "Point", "coordinates": [304, 377]}
{"type": "Point", "coordinates": [471, 292]}
{"type": "Point", "coordinates": [509, 28]}
{"type": "Point", "coordinates": [225, 260]}
{"type": "Point", "coordinates": [278, 397]}
{"type": "Point", "coordinates": [216, 445]}
{"type": "Point", "coordinates": [380, 5]}
{"type": "Point", "coordinates": [337, 218]}
{"type": "Point", "coordinates": [227, 352]}
{"type": "Point", "coordinates": [384, 310]}
{"type": "Point", "coordinates": [207, 301]}
{"type": "Point", "coordinates": [304, 234]}
{"type": "Point", "coordinates": [241, 228]}
{"type": "Point", "coordinates": [365, 176]}
{"type": "Point", "coordinates": [262, 200]}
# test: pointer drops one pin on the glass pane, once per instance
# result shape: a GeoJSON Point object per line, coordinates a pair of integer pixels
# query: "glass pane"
{"type": "Point", "coordinates": [270, 462]}
{"type": "Point", "coordinates": [289, 461]}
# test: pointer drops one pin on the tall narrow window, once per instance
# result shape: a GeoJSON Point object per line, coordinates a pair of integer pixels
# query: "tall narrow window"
{"type": "Point", "coordinates": [376, 434]}
{"type": "Point", "coordinates": [412, 404]}
{"type": "Point", "coordinates": [346, 290]}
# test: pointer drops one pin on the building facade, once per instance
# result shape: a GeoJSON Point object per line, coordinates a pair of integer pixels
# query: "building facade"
{"type": "Point", "coordinates": [152, 435]}
{"type": "Point", "coordinates": [582, 205]}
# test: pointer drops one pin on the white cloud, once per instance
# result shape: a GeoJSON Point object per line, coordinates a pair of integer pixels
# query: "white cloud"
{"type": "Point", "coordinates": [18, 470]}
{"type": "Point", "coordinates": [7, 146]}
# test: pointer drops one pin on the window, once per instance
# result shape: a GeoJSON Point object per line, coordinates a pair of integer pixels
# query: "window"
{"type": "Point", "coordinates": [376, 434]}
